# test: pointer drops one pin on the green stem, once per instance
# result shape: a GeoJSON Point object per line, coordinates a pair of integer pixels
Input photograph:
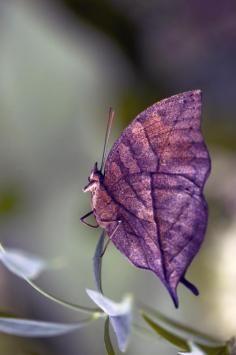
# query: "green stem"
{"type": "Point", "coordinates": [95, 311]}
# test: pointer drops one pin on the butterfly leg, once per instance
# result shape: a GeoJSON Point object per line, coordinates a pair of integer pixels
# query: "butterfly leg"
{"type": "Point", "coordinates": [116, 228]}
{"type": "Point", "coordinates": [82, 219]}
{"type": "Point", "coordinates": [109, 239]}
{"type": "Point", "coordinates": [105, 248]}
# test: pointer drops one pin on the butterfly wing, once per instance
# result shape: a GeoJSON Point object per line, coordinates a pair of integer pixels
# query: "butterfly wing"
{"type": "Point", "coordinates": [155, 173]}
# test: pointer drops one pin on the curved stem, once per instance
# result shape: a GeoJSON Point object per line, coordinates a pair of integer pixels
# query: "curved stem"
{"type": "Point", "coordinates": [95, 311]}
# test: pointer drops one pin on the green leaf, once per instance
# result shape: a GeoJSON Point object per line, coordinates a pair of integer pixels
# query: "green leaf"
{"type": "Point", "coordinates": [198, 349]}
{"type": "Point", "coordinates": [107, 339]}
{"type": "Point", "coordinates": [181, 327]}
{"type": "Point", "coordinates": [194, 350]}
{"type": "Point", "coordinates": [175, 340]}
{"type": "Point", "coordinates": [215, 350]}
{"type": "Point", "coordinates": [183, 342]}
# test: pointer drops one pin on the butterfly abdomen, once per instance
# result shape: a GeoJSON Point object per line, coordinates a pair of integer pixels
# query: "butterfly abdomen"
{"type": "Point", "coordinates": [105, 210]}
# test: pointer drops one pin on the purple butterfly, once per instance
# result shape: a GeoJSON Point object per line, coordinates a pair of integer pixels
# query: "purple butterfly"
{"type": "Point", "coordinates": [149, 198]}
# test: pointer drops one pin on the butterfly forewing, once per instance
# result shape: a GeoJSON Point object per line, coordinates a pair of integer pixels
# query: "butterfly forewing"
{"type": "Point", "coordinates": [155, 173]}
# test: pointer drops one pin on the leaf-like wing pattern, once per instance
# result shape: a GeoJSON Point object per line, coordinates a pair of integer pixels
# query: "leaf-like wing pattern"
{"type": "Point", "coordinates": [155, 173]}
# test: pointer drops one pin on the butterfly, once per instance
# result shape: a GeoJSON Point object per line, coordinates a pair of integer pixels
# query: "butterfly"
{"type": "Point", "coordinates": [148, 192]}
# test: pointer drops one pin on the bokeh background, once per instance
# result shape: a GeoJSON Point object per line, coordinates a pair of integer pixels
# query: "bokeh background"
{"type": "Point", "coordinates": [62, 65]}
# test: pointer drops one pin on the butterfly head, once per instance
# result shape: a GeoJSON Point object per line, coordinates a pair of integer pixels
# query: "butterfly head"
{"type": "Point", "coordinates": [94, 179]}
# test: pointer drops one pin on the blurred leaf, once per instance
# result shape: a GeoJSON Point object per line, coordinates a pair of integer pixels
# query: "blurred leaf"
{"type": "Point", "coordinates": [179, 326]}
{"type": "Point", "coordinates": [97, 262]}
{"type": "Point", "coordinates": [183, 342]}
{"type": "Point", "coordinates": [197, 349]}
{"type": "Point", "coordinates": [194, 350]}
{"type": "Point", "coordinates": [111, 21]}
{"type": "Point", "coordinates": [9, 199]}
{"type": "Point", "coordinates": [22, 264]}
{"type": "Point", "coordinates": [5, 314]}
{"type": "Point", "coordinates": [176, 340]}
{"type": "Point", "coordinates": [219, 350]}
{"type": "Point", "coordinates": [107, 339]}
{"type": "Point", "coordinates": [119, 313]}
{"type": "Point", "coordinates": [32, 328]}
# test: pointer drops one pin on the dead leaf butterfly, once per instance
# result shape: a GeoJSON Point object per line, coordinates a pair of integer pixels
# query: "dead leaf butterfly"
{"type": "Point", "coordinates": [148, 192]}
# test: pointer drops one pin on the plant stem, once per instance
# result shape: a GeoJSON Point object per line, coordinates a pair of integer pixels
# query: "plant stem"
{"type": "Point", "coordinates": [95, 311]}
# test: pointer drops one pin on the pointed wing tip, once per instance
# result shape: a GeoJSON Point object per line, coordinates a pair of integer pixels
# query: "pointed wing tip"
{"type": "Point", "coordinates": [173, 291]}
{"type": "Point", "coordinates": [176, 302]}
{"type": "Point", "coordinates": [173, 295]}
{"type": "Point", "coordinates": [196, 93]}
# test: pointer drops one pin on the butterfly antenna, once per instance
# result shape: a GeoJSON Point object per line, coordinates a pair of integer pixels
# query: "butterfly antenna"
{"type": "Point", "coordinates": [108, 130]}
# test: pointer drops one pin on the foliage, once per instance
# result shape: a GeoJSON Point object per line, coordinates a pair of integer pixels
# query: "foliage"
{"type": "Point", "coordinates": [185, 339]}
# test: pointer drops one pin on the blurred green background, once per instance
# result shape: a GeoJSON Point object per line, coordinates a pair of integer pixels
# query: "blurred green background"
{"type": "Point", "coordinates": [62, 65]}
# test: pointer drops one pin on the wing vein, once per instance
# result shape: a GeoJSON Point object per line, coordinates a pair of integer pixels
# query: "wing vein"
{"type": "Point", "coordinates": [158, 228]}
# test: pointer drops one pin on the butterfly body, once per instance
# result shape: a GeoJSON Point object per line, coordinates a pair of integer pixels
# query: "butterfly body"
{"type": "Point", "coordinates": [153, 186]}
{"type": "Point", "coordinates": [104, 209]}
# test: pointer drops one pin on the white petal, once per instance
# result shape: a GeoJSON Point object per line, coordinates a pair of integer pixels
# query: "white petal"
{"type": "Point", "coordinates": [32, 328]}
{"type": "Point", "coordinates": [122, 328]}
{"type": "Point", "coordinates": [120, 315]}
{"type": "Point", "coordinates": [22, 264]}
{"type": "Point", "coordinates": [110, 307]}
